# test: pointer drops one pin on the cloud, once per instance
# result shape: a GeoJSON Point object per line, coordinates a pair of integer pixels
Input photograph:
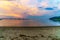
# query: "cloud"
{"type": "Point", "coordinates": [23, 8]}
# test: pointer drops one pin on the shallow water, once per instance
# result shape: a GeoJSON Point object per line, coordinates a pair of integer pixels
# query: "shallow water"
{"type": "Point", "coordinates": [35, 22]}
{"type": "Point", "coordinates": [19, 23]}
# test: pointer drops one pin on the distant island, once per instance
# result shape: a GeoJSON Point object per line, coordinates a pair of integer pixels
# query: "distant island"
{"type": "Point", "coordinates": [14, 18]}
{"type": "Point", "coordinates": [56, 18]}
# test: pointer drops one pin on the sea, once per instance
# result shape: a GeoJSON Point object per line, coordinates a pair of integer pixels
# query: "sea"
{"type": "Point", "coordinates": [19, 23]}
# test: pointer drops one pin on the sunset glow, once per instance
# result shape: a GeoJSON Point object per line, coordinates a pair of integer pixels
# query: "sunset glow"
{"type": "Point", "coordinates": [21, 7]}
{"type": "Point", "coordinates": [34, 10]}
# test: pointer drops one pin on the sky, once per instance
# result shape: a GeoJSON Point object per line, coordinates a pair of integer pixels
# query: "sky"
{"type": "Point", "coordinates": [24, 8]}
{"type": "Point", "coordinates": [40, 10]}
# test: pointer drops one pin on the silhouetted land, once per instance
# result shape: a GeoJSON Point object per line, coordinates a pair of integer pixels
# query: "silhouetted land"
{"type": "Point", "coordinates": [14, 18]}
{"type": "Point", "coordinates": [56, 18]}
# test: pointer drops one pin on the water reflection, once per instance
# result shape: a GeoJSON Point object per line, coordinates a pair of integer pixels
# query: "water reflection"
{"type": "Point", "coordinates": [19, 23]}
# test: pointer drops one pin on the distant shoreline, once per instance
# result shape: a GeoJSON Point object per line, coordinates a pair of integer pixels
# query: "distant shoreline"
{"type": "Point", "coordinates": [14, 18]}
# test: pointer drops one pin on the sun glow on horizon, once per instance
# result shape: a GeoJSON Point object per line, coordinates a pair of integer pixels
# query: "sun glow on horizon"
{"type": "Point", "coordinates": [22, 8]}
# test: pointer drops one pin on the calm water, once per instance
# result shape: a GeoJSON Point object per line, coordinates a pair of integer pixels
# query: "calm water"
{"type": "Point", "coordinates": [28, 23]}
{"type": "Point", "coordinates": [19, 23]}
